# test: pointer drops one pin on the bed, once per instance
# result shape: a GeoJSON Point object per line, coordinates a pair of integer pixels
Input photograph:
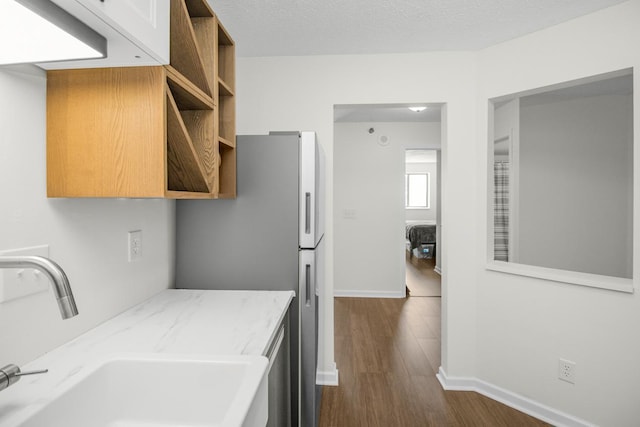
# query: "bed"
{"type": "Point", "coordinates": [420, 232]}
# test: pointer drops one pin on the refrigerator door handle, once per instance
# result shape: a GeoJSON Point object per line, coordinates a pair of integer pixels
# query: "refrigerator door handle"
{"type": "Point", "coordinates": [308, 285]}
{"type": "Point", "coordinates": [307, 210]}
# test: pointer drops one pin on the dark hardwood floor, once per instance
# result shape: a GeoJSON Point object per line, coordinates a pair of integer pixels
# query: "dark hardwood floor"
{"type": "Point", "coordinates": [388, 352]}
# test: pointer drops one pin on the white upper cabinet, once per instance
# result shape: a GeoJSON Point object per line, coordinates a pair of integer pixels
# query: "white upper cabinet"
{"type": "Point", "coordinates": [137, 31]}
{"type": "Point", "coordinates": [145, 22]}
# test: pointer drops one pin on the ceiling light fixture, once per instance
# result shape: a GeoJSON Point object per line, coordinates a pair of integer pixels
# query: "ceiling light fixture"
{"type": "Point", "coordinates": [417, 109]}
{"type": "Point", "coordinates": [34, 31]}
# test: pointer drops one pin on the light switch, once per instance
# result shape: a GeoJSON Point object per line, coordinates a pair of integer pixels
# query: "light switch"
{"type": "Point", "coordinates": [21, 282]}
{"type": "Point", "coordinates": [349, 213]}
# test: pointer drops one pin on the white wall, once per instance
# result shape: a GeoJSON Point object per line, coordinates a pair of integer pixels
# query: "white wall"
{"type": "Point", "coordinates": [300, 93]}
{"type": "Point", "coordinates": [88, 238]}
{"type": "Point", "coordinates": [575, 185]}
{"type": "Point", "coordinates": [525, 325]}
{"type": "Point", "coordinates": [369, 214]}
{"type": "Point", "coordinates": [432, 170]}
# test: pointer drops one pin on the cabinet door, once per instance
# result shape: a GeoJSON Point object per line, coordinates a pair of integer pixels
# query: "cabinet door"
{"type": "Point", "coordinates": [145, 22]}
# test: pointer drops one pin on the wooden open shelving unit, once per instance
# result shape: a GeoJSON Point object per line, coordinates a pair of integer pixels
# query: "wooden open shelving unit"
{"type": "Point", "coordinates": [165, 131]}
{"type": "Point", "coordinates": [224, 94]}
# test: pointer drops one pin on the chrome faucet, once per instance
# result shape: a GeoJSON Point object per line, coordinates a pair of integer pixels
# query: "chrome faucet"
{"type": "Point", "coordinates": [56, 274]}
{"type": "Point", "coordinates": [10, 374]}
{"type": "Point", "coordinates": [66, 303]}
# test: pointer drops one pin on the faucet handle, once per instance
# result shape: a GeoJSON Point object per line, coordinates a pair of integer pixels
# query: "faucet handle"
{"type": "Point", "coordinates": [36, 372]}
{"type": "Point", "coordinates": [10, 374]}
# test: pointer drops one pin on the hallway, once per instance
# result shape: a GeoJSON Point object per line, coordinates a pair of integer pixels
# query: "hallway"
{"type": "Point", "coordinates": [388, 352]}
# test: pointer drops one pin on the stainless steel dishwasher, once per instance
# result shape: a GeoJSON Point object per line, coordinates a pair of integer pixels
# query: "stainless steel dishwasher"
{"type": "Point", "coordinates": [279, 378]}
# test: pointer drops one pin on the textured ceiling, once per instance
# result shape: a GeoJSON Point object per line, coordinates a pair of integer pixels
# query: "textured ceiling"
{"type": "Point", "coordinates": [320, 27]}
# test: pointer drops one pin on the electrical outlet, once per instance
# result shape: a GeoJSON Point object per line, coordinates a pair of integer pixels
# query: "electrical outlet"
{"type": "Point", "coordinates": [567, 371]}
{"type": "Point", "coordinates": [135, 245]}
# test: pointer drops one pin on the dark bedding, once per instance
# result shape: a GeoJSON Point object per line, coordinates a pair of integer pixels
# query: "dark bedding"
{"type": "Point", "coordinates": [420, 233]}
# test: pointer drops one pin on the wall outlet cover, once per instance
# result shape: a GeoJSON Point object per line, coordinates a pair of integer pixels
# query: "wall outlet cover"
{"type": "Point", "coordinates": [134, 240]}
{"type": "Point", "coordinates": [567, 371]}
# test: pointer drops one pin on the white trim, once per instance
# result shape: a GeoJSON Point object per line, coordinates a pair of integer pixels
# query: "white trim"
{"type": "Point", "coordinates": [514, 189]}
{"type": "Point", "coordinates": [513, 400]}
{"type": "Point", "coordinates": [370, 294]}
{"type": "Point", "coordinates": [437, 270]}
{"type": "Point", "coordinates": [563, 276]}
{"type": "Point", "coordinates": [328, 377]}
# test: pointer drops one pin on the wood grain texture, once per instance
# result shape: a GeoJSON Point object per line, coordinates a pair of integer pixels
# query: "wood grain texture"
{"type": "Point", "coordinates": [185, 172]}
{"type": "Point", "coordinates": [204, 30]}
{"type": "Point", "coordinates": [183, 195]}
{"type": "Point", "coordinates": [146, 131]}
{"type": "Point", "coordinates": [387, 373]}
{"type": "Point", "coordinates": [227, 172]}
{"type": "Point", "coordinates": [199, 8]}
{"type": "Point", "coordinates": [105, 132]}
{"type": "Point", "coordinates": [226, 57]}
{"type": "Point", "coordinates": [187, 95]}
{"type": "Point", "coordinates": [199, 125]}
{"type": "Point", "coordinates": [224, 89]}
{"type": "Point", "coordinates": [227, 117]}
{"type": "Point", "coordinates": [185, 54]}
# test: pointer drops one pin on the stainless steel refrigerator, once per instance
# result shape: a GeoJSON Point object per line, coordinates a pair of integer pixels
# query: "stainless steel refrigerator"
{"type": "Point", "coordinates": [269, 238]}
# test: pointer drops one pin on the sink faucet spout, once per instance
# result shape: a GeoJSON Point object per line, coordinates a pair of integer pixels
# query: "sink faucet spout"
{"type": "Point", "coordinates": [59, 280]}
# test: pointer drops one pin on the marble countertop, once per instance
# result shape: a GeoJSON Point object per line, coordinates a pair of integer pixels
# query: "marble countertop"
{"type": "Point", "coordinates": [175, 321]}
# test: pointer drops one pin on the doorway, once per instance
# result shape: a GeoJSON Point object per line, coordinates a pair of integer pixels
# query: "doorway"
{"type": "Point", "coordinates": [370, 145]}
{"type": "Point", "coordinates": [382, 334]}
{"type": "Point", "coordinates": [422, 187]}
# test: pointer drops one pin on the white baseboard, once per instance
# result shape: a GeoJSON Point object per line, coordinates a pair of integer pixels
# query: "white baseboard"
{"type": "Point", "coordinates": [513, 400]}
{"type": "Point", "coordinates": [327, 377]}
{"type": "Point", "coordinates": [370, 294]}
{"type": "Point", "coordinates": [437, 270]}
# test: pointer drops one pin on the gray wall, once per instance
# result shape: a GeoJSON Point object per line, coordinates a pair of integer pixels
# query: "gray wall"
{"type": "Point", "coordinates": [576, 185]}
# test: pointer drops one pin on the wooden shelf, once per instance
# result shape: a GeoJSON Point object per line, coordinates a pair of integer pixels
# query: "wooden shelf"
{"type": "Point", "coordinates": [224, 89]}
{"type": "Point", "coordinates": [227, 143]}
{"type": "Point", "coordinates": [181, 86]}
{"type": "Point", "coordinates": [227, 118]}
{"type": "Point", "coordinates": [184, 169]}
{"type": "Point", "coordinates": [162, 132]}
{"type": "Point", "coordinates": [226, 56]}
{"type": "Point", "coordinates": [227, 172]}
{"type": "Point", "coordinates": [120, 127]}
{"type": "Point", "coordinates": [187, 56]}
{"type": "Point", "coordinates": [224, 94]}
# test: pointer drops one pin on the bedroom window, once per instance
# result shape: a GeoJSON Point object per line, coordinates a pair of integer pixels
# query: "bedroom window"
{"type": "Point", "coordinates": [417, 191]}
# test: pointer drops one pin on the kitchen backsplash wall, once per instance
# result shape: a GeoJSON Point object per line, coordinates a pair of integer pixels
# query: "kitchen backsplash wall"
{"type": "Point", "coordinates": [87, 237]}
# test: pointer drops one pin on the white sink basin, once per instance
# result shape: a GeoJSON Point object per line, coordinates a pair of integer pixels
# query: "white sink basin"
{"type": "Point", "coordinates": [162, 390]}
